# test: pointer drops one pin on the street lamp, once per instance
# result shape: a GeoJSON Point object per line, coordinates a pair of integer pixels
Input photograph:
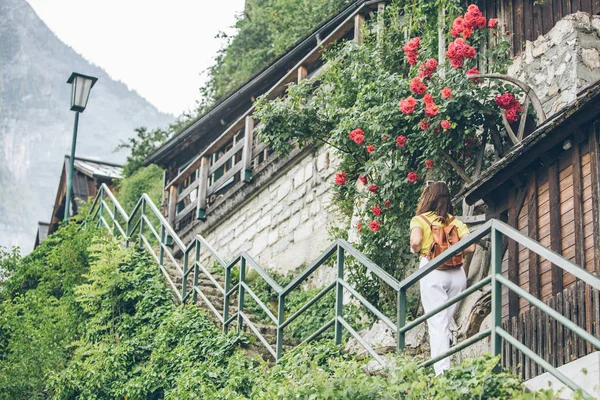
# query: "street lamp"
{"type": "Point", "coordinates": [81, 85]}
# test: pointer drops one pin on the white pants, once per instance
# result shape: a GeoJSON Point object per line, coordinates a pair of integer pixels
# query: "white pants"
{"type": "Point", "coordinates": [437, 288]}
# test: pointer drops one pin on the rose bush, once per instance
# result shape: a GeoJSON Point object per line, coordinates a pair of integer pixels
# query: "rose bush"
{"type": "Point", "coordinates": [393, 88]}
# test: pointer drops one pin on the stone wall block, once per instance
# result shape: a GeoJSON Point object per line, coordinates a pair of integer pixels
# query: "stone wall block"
{"type": "Point", "coordinates": [284, 190]}
{"type": "Point", "coordinates": [299, 178]}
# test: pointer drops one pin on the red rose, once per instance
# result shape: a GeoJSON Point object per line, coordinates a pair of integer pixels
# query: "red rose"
{"type": "Point", "coordinates": [374, 226]}
{"type": "Point", "coordinates": [512, 115]}
{"type": "Point", "coordinates": [508, 32]}
{"type": "Point", "coordinates": [424, 124]}
{"type": "Point", "coordinates": [492, 23]}
{"type": "Point", "coordinates": [412, 177]}
{"type": "Point", "coordinates": [470, 52]}
{"type": "Point", "coordinates": [467, 32]}
{"type": "Point", "coordinates": [481, 22]}
{"type": "Point", "coordinates": [340, 178]}
{"type": "Point", "coordinates": [446, 93]}
{"type": "Point", "coordinates": [457, 26]}
{"type": "Point", "coordinates": [401, 140]}
{"type": "Point", "coordinates": [472, 8]}
{"type": "Point", "coordinates": [407, 106]}
{"type": "Point", "coordinates": [473, 71]}
{"type": "Point", "coordinates": [387, 204]}
{"type": "Point", "coordinates": [431, 63]}
{"type": "Point", "coordinates": [363, 179]}
{"type": "Point", "coordinates": [446, 124]}
{"type": "Point", "coordinates": [376, 211]}
{"type": "Point", "coordinates": [373, 188]}
{"type": "Point", "coordinates": [456, 62]}
{"type": "Point", "coordinates": [429, 164]}
{"type": "Point", "coordinates": [416, 86]}
{"type": "Point", "coordinates": [410, 49]}
{"type": "Point", "coordinates": [428, 99]}
{"type": "Point", "coordinates": [358, 225]}
{"type": "Point", "coordinates": [357, 136]}
{"type": "Point", "coordinates": [505, 100]}
{"type": "Point", "coordinates": [432, 111]}
{"type": "Point", "coordinates": [370, 148]}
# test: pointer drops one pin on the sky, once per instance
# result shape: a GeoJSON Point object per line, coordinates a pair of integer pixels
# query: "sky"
{"type": "Point", "coordinates": [159, 48]}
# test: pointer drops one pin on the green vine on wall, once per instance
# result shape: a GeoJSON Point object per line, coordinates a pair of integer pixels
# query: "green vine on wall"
{"type": "Point", "coordinates": [396, 118]}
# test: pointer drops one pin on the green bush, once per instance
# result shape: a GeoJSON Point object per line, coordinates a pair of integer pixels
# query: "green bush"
{"type": "Point", "coordinates": [147, 180]}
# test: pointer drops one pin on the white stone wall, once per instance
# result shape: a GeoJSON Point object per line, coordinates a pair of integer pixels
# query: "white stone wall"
{"type": "Point", "coordinates": [562, 62]}
{"type": "Point", "coordinates": [285, 225]}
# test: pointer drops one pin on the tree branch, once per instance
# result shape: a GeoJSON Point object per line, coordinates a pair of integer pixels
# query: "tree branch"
{"type": "Point", "coordinates": [457, 167]}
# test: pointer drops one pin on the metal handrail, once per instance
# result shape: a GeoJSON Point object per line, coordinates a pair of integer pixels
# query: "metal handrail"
{"type": "Point", "coordinates": [496, 229]}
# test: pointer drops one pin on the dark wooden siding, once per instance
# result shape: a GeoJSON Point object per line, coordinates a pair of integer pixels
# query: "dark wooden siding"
{"type": "Point", "coordinates": [560, 211]}
{"type": "Point", "coordinates": [543, 335]}
{"type": "Point", "coordinates": [527, 20]}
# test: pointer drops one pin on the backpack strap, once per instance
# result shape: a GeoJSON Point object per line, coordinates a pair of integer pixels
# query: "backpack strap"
{"type": "Point", "coordinates": [450, 220]}
{"type": "Point", "coordinates": [426, 220]}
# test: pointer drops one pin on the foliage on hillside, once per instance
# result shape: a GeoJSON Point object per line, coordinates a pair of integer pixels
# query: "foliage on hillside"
{"type": "Point", "coordinates": [81, 317]}
{"type": "Point", "coordinates": [264, 31]}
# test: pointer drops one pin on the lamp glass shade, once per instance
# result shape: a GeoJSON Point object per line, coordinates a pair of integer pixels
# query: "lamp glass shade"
{"type": "Point", "coordinates": [81, 85]}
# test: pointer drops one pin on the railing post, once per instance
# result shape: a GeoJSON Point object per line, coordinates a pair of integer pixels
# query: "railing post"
{"type": "Point", "coordinates": [115, 220]}
{"type": "Point", "coordinates": [100, 212]}
{"type": "Point", "coordinates": [196, 271]}
{"type": "Point", "coordinates": [241, 292]}
{"type": "Point", "coordinates": [339, 295]}
{"type": "Point", "coordinates": [280, 320]}
{"type": "Point", "coordinates": [202, 188]}
{"type": "Point", "coordinates": [172, 205]}
{"type": "Point", "coordinates": [128, 231]}
{"type": "Point", "coordinates": [496, 238]}
{"type": "Point", "coordinates": [226, 299]}
{"type": "Point", "coordinates": [184, 277]}
{"type": "Point", "coordinates": [247, 152]}
{"type": "Point", "coordinates": [142, 213]}
{"type": "Point", "coordinates": [401, 318]}
{"type": "Point", "coordinates": [161, 254]}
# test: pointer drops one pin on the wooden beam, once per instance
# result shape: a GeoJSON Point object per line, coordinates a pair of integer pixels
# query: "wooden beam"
{"type": "Point", "coordinates": [555, 231]}
{"type": "Point", "coordinates": [532, 224]}
{"type": "Point", "coordinates": [513, 253]}
{"type": "Point", "coordinates": [595, 171]}
{"type": "Point", "coordinates": [302, 73]}
{"type": "Point", "coordinates": [578, 206]}
{"type": "Point", "coordinates": [172, 206]}
{"type": "Point", "coordinates": [202, 187]}
{"type": "Point", "coordinates": [247, 152]}
{"type": "Point", "coordinates": [359, 23]}
{"type": "Point", "coordinates": [380, 22]}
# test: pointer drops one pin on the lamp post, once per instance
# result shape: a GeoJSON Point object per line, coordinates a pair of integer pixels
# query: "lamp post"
{"type": "Point", "coordinates": [81, 85]}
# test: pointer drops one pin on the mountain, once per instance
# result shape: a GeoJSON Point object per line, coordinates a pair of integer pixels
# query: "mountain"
{"type": "Point", "coordinates": [36, 124]}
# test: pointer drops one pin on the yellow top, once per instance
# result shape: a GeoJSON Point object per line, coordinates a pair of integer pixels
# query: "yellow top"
{"type": "Point", "coordinates": [427, 241]}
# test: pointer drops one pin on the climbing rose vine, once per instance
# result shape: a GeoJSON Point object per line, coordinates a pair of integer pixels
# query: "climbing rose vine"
{"type": "Point", "coordinates": [395, 116]}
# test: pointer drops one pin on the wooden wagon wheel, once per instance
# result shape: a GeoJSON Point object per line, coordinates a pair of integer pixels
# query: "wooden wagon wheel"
{"type": "Point", "coordinates": [530, 96]}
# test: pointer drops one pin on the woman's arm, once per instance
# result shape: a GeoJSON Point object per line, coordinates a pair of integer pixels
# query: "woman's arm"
{"type": "Point", "coordinates": [416, 237]}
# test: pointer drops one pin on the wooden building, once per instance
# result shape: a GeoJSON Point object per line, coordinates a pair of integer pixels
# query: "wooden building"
{"type": "Point", "coordinates": [219, 149]}
{"type": "Point", "coordinates": [89, 176]}
{"type": "Point", "coordinates": [548, 188]}
{"type": "Point", "coordinates": [42, 233]}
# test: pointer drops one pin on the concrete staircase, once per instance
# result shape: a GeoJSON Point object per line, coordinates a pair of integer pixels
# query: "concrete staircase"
{"type": "Point", "coordinates": [216, 298]}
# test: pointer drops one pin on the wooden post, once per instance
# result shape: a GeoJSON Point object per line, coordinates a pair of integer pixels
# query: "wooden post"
{"type": "Point", "coordinates": [202, 186]}
{"type": "Point", "coordinates": [532, 230]}
{"type": "Point", "coordinates": [441, 42]}
{"type": "Point", "coordinates": [578, 206]}
{"type": "Point", "coordinates": [359, 23]}
{"type": "Point", "coordinates": [513, 253]}
{"type": "Point", "coordinates": [555, 231]}
{"type": "Point", "coordinates": [247, 152]}
{"type": "Point", "coordinates": [595, 170]}
{"type": "Point", "coordinates": [302, 74]}
{"type": "Point", "coordinates": [172, 206]}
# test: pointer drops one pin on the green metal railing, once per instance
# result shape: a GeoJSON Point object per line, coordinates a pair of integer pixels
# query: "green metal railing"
{"type": "Point", "coordinates": [145, 217]}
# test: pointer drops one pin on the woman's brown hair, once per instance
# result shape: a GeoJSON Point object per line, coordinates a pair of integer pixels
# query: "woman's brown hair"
{"type": "Point", "coordinates": [435, 197]}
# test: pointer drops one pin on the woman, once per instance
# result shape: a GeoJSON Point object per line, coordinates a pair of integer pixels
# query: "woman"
{"type": "Point", "coordinates": [439, 286]}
